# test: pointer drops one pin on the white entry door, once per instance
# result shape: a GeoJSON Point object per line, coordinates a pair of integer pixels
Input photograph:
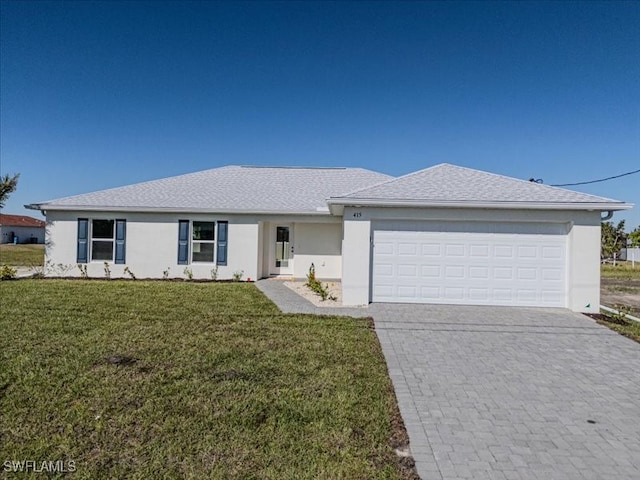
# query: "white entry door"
{"type": "Point", "coordinates": [282, 250]}
{"type": "Point", "coordinates": [470, 264]}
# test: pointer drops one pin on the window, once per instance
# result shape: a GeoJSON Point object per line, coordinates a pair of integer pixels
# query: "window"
{"type": "Point", "coordinates": [197, 242]}
{"type": "Point", "coordinates": [102, 240]}
{"type": "Point", "coordinates": [203, 242]}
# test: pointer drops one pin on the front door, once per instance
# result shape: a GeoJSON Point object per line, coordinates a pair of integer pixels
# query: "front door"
{"type": "Point", "coordinates": [282, 263]}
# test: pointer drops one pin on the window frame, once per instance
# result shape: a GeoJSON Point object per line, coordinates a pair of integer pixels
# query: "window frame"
{"type": "Point", "coordinates": [92, 239]}
{"type": "Point", "coordinates": [193, 241]}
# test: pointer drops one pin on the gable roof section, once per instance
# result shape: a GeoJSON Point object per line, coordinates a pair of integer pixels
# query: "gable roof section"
{"type": "Point", "coordinates": [20, 221]}
{"type": "Point", "coordinates": [446, 185]}
{"type": "Point", "coordinates": [229, 189]}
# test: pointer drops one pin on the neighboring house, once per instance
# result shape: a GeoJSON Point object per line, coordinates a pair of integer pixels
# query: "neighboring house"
{"type": "Point", "coordinates": [630, 254]}
{"type": "Point", "coordinates": [445, 234]}
{"type": "Point", "coordinates": [21, 229]}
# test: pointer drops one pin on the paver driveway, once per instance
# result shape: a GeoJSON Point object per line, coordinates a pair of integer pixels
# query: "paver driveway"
{"type": "Point", "coordinates": [492, 392]}
{"type": "Point", "coordinates": [497, 392]}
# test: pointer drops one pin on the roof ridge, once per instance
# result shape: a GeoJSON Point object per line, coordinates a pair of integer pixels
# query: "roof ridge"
{"type": "Point", "coordinates": [393, 179]}
{"type": "Point", "coordinates": [295, 167]}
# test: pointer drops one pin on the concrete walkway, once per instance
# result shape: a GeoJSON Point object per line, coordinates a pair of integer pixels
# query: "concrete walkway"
{"type": "Point", "coordinates": [506, 393]}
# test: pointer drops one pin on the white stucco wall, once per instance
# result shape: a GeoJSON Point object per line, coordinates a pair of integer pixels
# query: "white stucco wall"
{"type": "Point", "coordinates": [583, 246]}
{"type": "Point", "coordinates": [320, 244]}
{"type": "Point", "coordinates": [24, 233]}
{"type": "Point", "coordinates": [152, 245]}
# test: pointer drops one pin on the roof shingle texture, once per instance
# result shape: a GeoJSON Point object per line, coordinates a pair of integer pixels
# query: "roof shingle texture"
{"type": "Point", "coordinates": [450, 183]}
{"type": "Point", "coordinates": [233, 188]}
{"type": "Point", "coordinates": [20, 221]}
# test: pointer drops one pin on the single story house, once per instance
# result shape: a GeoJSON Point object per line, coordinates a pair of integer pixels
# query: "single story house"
{"type": "Point", "coordinates": [21, 229]}
{"type": "Point", "coordinates": [445, 234]}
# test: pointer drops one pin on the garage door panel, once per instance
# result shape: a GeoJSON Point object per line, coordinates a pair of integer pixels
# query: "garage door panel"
{"type": "Point", "coordinates": [552, 274]}
{"type": "Point", "coordinates": [430, 271]}
{"type": "Point", "coordinates": [429, 293]}
{"type": "Point", "coordinates": [408, 270]}
{"type": "Point", "coordinates": [472, 267]}
{"type": "Point", "coordinates": [384, 269]}
{"type": "Point", "coordinates": [407, 291]}
{"type": "Point", "coordinates": [454, 272]}
{"type": "Point", "coordinates": [479, 294]}
{"type": "Point", "coordinates": [385, 248]}
{"type": "Point", "coordinates": [430, 249]}
{"type": "Point", "coordinates": [454, 250]}
{"type": "Point", "coordinates": [503, 273]}
{"type": "Point", "coordinates": [479, 251]}
{"type": "Point", "coordinates": [478, 272]}
{"type": "Point", "coordinates": [407, 248]}
{"type": "Point", "coordinates": [527, 274]}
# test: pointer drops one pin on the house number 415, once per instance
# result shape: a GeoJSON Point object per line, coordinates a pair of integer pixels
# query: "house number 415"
{"type": "Point", "coordinates": [357, 214]}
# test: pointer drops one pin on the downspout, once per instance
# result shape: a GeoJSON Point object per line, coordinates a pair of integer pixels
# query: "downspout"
{"type": "Point", "coordinates": [607, 216]}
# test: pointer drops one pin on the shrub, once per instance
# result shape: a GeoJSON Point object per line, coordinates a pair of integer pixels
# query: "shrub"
{"type": "Point", "coordinates": [7, 272]}
{"type": "Point", "coordinates": [130, 273]}
{"type": "Point", "coordinates": [107, 271]}
{"type": "Point", "coordinates": [316, 286]}
{"type": "Point", "coordinates": [237, 275]}
{"type": "Point", "coordinates": [83, 271]}
{"type": "Point", "coordinates": [188, 273]}
{"type": "Point", "coordinates": [214, 273]}
{"type": "Point", "coordinates": [165, 273]}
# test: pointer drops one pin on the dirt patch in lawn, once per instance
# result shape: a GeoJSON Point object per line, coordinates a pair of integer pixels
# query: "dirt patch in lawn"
{"type": "Point", "coordinates": [615, 291]}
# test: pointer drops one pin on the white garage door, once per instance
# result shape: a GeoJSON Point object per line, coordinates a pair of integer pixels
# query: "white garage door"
{"type": "Point", "coordinates": [472, 263]}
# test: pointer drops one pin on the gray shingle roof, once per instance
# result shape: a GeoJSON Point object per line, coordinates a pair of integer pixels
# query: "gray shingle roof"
{"type": "Point", "coordinates": [230, 189]}
{"type": "Point", "coordinates": [447, 183]}
{"type": "Point", "coordinates": [306, 190]}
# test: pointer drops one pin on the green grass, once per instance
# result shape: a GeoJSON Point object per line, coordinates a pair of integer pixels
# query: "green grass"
{"type": "Point", "coordinates": [223, 386]}
{"type": "Point", "coordinates": [26, 255]}
{"type": "Point", "coordinates": [622, 270]}
{"type": "Point", "coordinates": [628, 328]}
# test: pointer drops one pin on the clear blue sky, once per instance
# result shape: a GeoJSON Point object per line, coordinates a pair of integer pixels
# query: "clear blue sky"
{"type": "Point", "coordinates": [102, 94]}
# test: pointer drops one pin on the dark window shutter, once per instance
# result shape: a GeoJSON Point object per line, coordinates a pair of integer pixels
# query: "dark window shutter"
{"type": "Point", "coordinates": [183, 242]}
{"type": "Point", "coordinates": [221, 255]}
{"type": "Point", "coordinates": [83, 240]}
{"type": "Point", "coordinates": [121, 234]}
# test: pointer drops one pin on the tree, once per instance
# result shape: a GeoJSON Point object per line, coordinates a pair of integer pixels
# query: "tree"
{"type": "Point", "coordinates": [635, 237]}
{"type": "Point", "coordinates": [613, 239]}
{"type": "Point", "coordinates": [7, 186]}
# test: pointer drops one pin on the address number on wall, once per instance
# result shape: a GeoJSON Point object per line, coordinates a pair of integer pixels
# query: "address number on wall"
{"type": "Point", "coordinates": [357, 214]}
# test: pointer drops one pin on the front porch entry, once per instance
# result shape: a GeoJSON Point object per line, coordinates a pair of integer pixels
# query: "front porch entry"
{"type": "Point", "coordinates": [281, 248]}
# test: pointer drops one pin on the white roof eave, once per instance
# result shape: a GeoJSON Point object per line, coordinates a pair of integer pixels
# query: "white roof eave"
{"type": "Point", "coordinates": [336, 205]}
{"type": "Point", "coordinates": [102, 208]}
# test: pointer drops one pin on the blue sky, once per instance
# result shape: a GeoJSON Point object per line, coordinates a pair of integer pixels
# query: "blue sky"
{"type": "Point", "coordinates": [102, 94]}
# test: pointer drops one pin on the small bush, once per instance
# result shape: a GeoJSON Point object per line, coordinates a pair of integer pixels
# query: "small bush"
{"type": "Point", "coordinates": [107, 271]}
{"type": "Point", "coordinates": [214, 273]}
{"type": "Point", "coordinates": [7, 272]}
{"type": "Point", "coordinates": [188, 273]}
{"type": "Point", "coordinates": [130, 273]}
{"type": "Point", "coordinates": [83, 271]}
{"type": "Point", "coordinates": [316, 286]}
{"type": "Point", "coordinates": [237, 275]}
{"type": "Point", "coordinates": [621, 316]}
{"type": "Point", "coordinates": [165, 273]}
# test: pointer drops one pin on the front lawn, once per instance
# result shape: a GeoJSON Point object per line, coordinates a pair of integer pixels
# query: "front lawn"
{"type": "Point", "coordinates": [621, 271]}
{"type": "Point", "coordinates": [190, 380]}
{"type": "Point", "coordinates": [628, 328]}
{"type": "Point", "coordinates": [21, 255]}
